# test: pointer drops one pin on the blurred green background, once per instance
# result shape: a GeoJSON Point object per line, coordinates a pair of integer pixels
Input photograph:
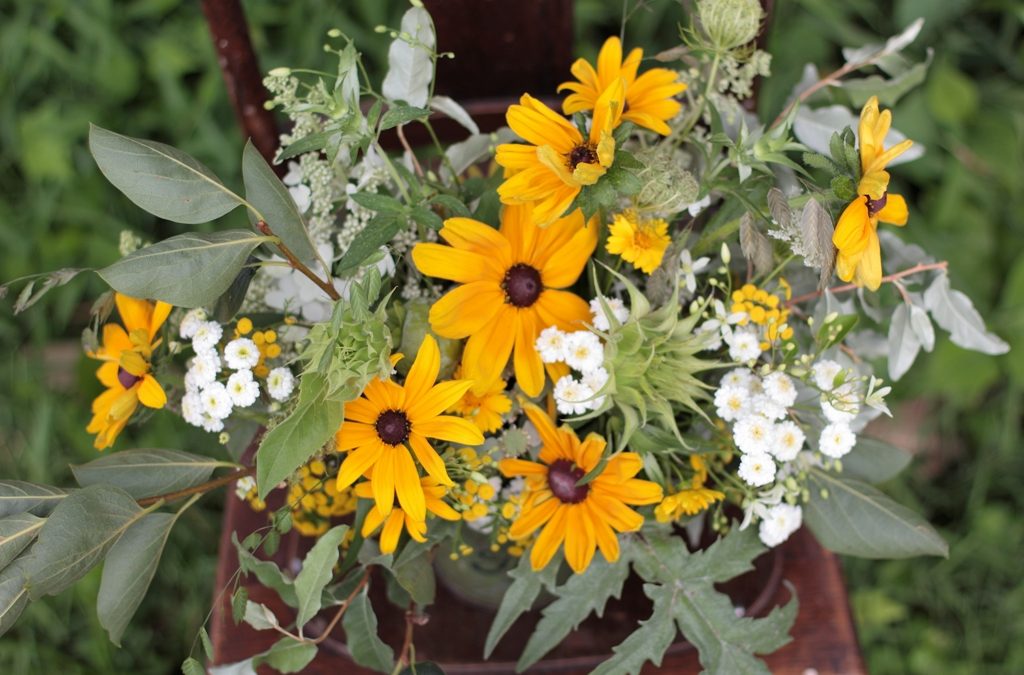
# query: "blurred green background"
{"type": "Point", "coordinates": [146, 68]}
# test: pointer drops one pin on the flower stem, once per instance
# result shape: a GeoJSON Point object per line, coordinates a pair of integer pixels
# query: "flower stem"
{"type": "Point", "coordinates": [921, 267]}
{"type": "Point", "coordinates": [297, 264]}
{"type": "Point", "coordinates": [201, 488]}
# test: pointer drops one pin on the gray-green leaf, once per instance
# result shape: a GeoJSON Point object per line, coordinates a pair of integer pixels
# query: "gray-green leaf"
{"type": "Point", "coordinates": [266, 572]}
{"type": "Point", "coordinates": [955, 312]}
{"type": "Point", "coordinates": [414, 572]}
{"type": "Point", "coordinates": [16, 533]}
{"type": "Point", "coordinates": [875, 461]}
{"type": "Point", "coordinates": [410, 67]}
{"type": "Point", "coordinates": [17, 496]}
{"type": "Point", "coordinates": [316, 572]}
{"type": "Point", "coordinates": [259, 616]}
{"type": "Point", "coordinates": [165, 181]}
{"type": "Point", "coordinates": [13, 593]}
{"type": "Point", "coordinates": [287, 655]}
{"type": "Point", "coordinates": [188, 270]}
{"type": "Point", "coordinates": [647, 643]}
{"type": "Point", "coordinates": [147, 472]}
{"type": "Point", "coordinates": [903, 343]}
{"type": "Point", "coordinates": [364, 644]}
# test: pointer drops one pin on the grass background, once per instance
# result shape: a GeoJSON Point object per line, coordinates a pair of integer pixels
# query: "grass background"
{"type": "Point", "coordinates": [146, 68]}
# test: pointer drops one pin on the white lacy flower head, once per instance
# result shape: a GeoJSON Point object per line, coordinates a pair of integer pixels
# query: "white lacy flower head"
{"type": "Point", "coordinates": [583, 350]}
{"type": "Point", "coordinates": [190, 323]}
{"type": "Point", "coordinates": [212, 424]}
{"type": "Point", "coordinates": [731, 402]}
{"type": "Point", "coordinates": [836, 440]}
{"type": "Point", "coordinates": [690, 268]}
{"type": "Point", "coordinates": [778, 523]}
{"type": "Point", "coordinates": [203, 369]}
{"type": "Point", "coordinates": [842, 404]}
{"type": "Point", "coordinates": [241, 354]}
{"type": "Point", "coordinates": [243, 389]}
{"type": "Point", "coordinates": [744, 345]}
{"type": "Point", "coordinates": [206, 337]}
{"type": "Point", "coordinates": [280, 383]}
{"type": "Point", "coordinates": [824, 373]}
{"type": "Point", "coordinates": [215, 401]}
{"type": "Point", "coordinates": [754, 434]}
{"type": "Point", "coordinates": [762, 404]}
{"type": "Point", "coordinates": [551, 345]}
{"type": "Point", "coordinates": [757, 469]}
{"type": "Point", "coordinates": [789, 440]}
{"type": "Point", "coordinates": [243, 485]}
{"type": "Point", "coordinates": [618, 309]}
{"type": "Point", "coordinates": [780, 388]}
{"type": "Point", "coordinates": [740, 377]}
{"type": "Point", "coordinates": [572, 397]}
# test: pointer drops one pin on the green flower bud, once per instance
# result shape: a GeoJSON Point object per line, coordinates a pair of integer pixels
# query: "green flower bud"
{"type": "Point", "coordinates": [667, 186]}
{"type": "Point", "coordinates": [730, 23]}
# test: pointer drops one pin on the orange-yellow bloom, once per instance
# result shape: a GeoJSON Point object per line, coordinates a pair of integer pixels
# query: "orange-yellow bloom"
{"type": "Point", "coordinates": [126, 372]}
{"type": "Point", "coordinates": [584, 517]}
{"type": "Point", "coordinates": [638, 241]}
{"type": "Point", "coordinates": [556, 162]}
{"type": "Point", "coordinates": [856, 237]}
{"type": "Point", "coordinates": [483, 404]}
{"type": "Point", "coordinates": [393, 522]}
{"type": "Point", "coordinates": [650, 98]}
{"type": "Point", "coordinates": [390, 418]}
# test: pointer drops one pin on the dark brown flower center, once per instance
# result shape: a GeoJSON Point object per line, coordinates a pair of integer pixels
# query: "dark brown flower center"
{"type": "Point", "coordinates": [126, 379]}
{"type": "Point", "coordinates": [562, 477]}
{"type": "Point", "coordinates": [582, 154]}
{"type": "Point", "coordinates": [876, 205]}
{"type": "Point", "coordinates": [393, 427]}
{"type": "Point", "coordinates": [522, 285]}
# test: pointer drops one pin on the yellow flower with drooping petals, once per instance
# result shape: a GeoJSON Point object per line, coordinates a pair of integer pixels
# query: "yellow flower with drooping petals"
{"type": "Point", "coordinates": [642, 242]}
{"type": "Point", "coordinates": [856, 237]}
{"type": "Point", "coordinates": [689, 501]}
{"type": "Point", "coordinates": [510, 281]}
{"type": "Point", "coordinates": [584, 517]}
{"type": "Point", "coordinates": [556, 161]}
{"type": "Point", "coordinates": [126, 371]}
{"type": "Point", "coordinates": [388, 419]}
{"type": "Point", "coordinates": [393, 522]}
{"type": "Point", "coordinates": [483, 404]}
{"type": "Point", "coordinates": [650, 98]}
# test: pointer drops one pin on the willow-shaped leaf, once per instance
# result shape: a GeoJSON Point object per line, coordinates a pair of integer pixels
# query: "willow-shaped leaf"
{"type": "Point", "coordinates": [17, 496]}
{"type": "Point", "coordinates": [16, 533]}
{"type": "Point", "coordinates": [147, 472]}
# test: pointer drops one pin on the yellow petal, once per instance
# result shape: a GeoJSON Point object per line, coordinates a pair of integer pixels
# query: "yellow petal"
{"type": "Point", "coordinates": [607, 112]}
{"type": "Point", "coordinates": [895, 210]}
{"type": "Point", "coordinates": [151, 394]}
{"type": "Point", "coordinates": [564, 267]}
{"type": "Point", "coordinates": [528, 366]}
{"type": "Point", "coordinates": [472, 235]}
{"type": "Point", "coordinates": [134, 313]}
{"type": "Point", "coordinates": [407, 482]}
{"type": "Point", "coordinates": [604, 535]}
{"type": "Point", "coordinates": [511, 466]}
{"type": "Point", "coordinates": [373, 520]}
{"type": "Point", "coordinates": [487, 351]}
{"type": "Point", "coordinates": [532, 518]}
{"type": "Point", "coordinates": [539, 125]}
{"type": "Point", "coordinates": [383, 482]}
{"type": "Point", "coordinates": [107, 374]}
{"type": "Point", "coordinates": [447, 262]}
{"type": "Point", "coordinates": [362, 410]}
{"type": "Point", "coordinates": [580, 541]}
{"type": "Point", "coordinates": [869, 271]}
{"type": "Point", "coordinates": [609, 59]}
{"type": "Point", "coordinates": [550, 539]}
{"type": "Point", "coordinates": [417, 529]}
{"type": "Point", "coordinates": [357, 462]}
{"type": "Point", "coordinates": [436, 400]}
{"type": "Point", "coordinates": [391, 532]}
{"type": "Point", "coordinates": [385, 394]}
{"type": "Point", "coordinates": [115, 341]}
{"type": "Point", "coordinates": [423, 372]}
{"type": "Point", "coordinates": [615, 513]}
{"type": "Point", "coordinates": [429, 459]}
{"type": "Point", "coordinates": [545, 426]}
{"type": "Point", "coordinates": [563, 309]}
{"type": "Point", "coordinates": [852, 230]}
{"type": "Point", "coordinates": [450, 428]}
{"type": "Point", "coordinates": [354, 434]}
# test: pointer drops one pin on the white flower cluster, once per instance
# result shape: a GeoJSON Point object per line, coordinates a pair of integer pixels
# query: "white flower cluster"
{"type": "Point", "coordinates": [778, 519]}
{"type": "Point", "coordinates": [207, 401]}
{"type": "Point", "coordinates": [718, 327]}
{"type": "Point", "coordinates": [582, 351]}
{"type": "Point", "coordinates": [840, 404]}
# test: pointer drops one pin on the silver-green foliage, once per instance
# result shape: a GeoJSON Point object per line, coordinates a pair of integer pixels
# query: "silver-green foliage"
{"type": "Point", "coordinates": [147, 472]}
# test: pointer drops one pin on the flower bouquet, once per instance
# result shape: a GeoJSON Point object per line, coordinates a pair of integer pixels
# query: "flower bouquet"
{"type": "Point", "coordinates": [602, 341]}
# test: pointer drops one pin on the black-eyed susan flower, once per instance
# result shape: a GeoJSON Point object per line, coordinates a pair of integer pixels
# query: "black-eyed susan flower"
{"type": "Point", "coordinates": [483, 404]}
{"type": "Point", "coordinates": [650, 98]}
{"type": "Point", "coordinates": [556, 161]}
{"type": "Point", "coordinates": [640, 241]}
{"type": "Point", "coordinates": [126, 371]}
{"type": "Point", "coordinates": [583, 517]}
{"type": "Point", "coordinates": [390, 418]}
{"type": "Point", "coordinates": [510, 281]}
{"type": "Point", "coordinates": [393, 522]}
{"type": "Point", "coordinates": [856, 237]}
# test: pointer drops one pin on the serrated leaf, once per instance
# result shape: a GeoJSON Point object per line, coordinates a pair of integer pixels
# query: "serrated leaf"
{"type": "Point", "coordinates": [14, 596]}
{"type": "Point", "coordinates": [410, 68]}
{"type": "Point", "coordinates": [903, 343]}
{"type": "Point", "coordinates": [856, 519]}
{"type": "Point", "coordinates": [310, 143]}
{"type": "Point", "coordinates": [77, 535]}
{"type": "Point", "coordinates": [379, 231]}
{"type": "Point", "coordinates": [287, 655]}
{"type": "Point", "coordinates": [165, 181]}
{"type": "Point", "coordinates": [818, 161]}
{"type": "Point", "coordinates": [275, 205]}
{"type": "Point", "coordinates": [427, 218]}
{"type": "Point", "coordinates": [778, 205]}
{"type": "Point", "coordinates": [755, 246]}
{"type": "Point", "coordinates": [415, 573]}
{"type": "Point", "coordinates": [17, 496]}
{"type": "Point", "coordinates": [204, 637]}
{"type": "Point", "coordinates": [377, 202]}
{"type": "Point", "coordinates": [147, 472]}
{"type": "Point", "coordinates": [188, 270]}
{"type": "Point", "coordinates": [579, 597]}
{"type": "Point", "coordinates": [875, 461]}
{"type": "Point", "coordinates": [317, 568]}
{"type": "Point", "coordinates": [268, 573]}
{"type": "Point", "coordinates": [449, 107]}
{"type": "Point", "coordinates": [239, 602]}
{"type": "Point", "coordinates": [192, 667]}
{"type": "Point", "coordinates": [259, 616]}
{"type": "Point", "coordinates": [452, 205]}
{"type": "Point", "coordinates": [647, 643]}
{"type": "Point", "coordinates": [366, 647]}
{"type": "Point", "coordinates": [17, 531]}
{"type": "Point", "coordinates": [955, 313]}
{"type": "Point", "coordinates": [128, 571]}
{"type": "Point", "coordinates": [519, 598]}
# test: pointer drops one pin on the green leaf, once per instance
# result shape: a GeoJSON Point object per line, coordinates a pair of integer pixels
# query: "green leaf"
{"type": "Point", "coordinates": [188, 270]}
{"type": "Point", "coordinates": [275, 205]}
{"type": "Point", "coordinates": [16, 533]}
{"type": "Point", "coordinates": [875, 461]}
{"type": "Point", "coordinates": [814, 160]}
{"type": "Point", "coordinates": [310, 143]}
{"type": "Point", "coordinates": [378, 202]}
{"type": "Point", "coordinates": [204, 637]}
{"type": "Point", "coordinates": [414, 572]}
{"type": "Point", "coordinates": [366, 647]}
{"type": "Point", "coordinates": [160, 179]}
{"type": "Point", "coordinates": [259, 616]}
{"type": "Point", "coordinates": [77, 536]}
{"type": "Point", "coordinates": [239, 602]}
{"type": "Point", "coordinates": [422, 668]}
{"type": "Point", "coordinates": [402, 114]}
{"type": "Point", "coordinates": [452, 205]}
{"type": "Point", "coordinates": [288, 445]}
{"type": "Point", "coordinates": [147, 472]}
{"type": "Point", "coordinates": [833, 332]}
{"type": "Point", "coordinates": [316, 572]}
{"type": "Point", "coordinates": [20, 497]}
{"type": "Point", "coordinates": [646, 643]}
{"type": "Point", "coordinates": [14, 596]}
{"type": "Point", "coordinates": [519, 598]}
{"type": "Point", "coordinates": [128, 571]}
{"type": "Point", "coordinates": [287, 655]}
{"type": "Point", "coordinates": [192, 667]}
{"type": "Point", "coordinates": [856, 519]}
{"type": "Point", "coordinates": [228, 304]}
{"type": "Point", "coordinates": [580, 596]}
{"type": "Point", "coordinates": [427, 218]}
{"type": "Point", "coordinates": [379, 231]}
{"type": "Point", "coordinates": [623, 181]}
{"type": "Point", "coordinates": [268, 574]}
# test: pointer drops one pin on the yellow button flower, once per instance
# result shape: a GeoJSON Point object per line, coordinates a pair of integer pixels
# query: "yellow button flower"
{"type": "Point", "coordinates": [638, 241]}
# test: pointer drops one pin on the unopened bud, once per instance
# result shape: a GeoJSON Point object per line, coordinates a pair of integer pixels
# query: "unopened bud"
{"type": "Point", "coordinates": [729, 24]}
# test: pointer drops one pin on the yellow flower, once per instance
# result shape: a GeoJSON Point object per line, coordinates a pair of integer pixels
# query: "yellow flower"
{"type": "Point", "coordinates": [393, 522]}
{"type": "Point", "coordinates": [764, 309]}
{"type": "Point", "coordinates": [584, 517]}
{"type": "Point", "coordinates": [483, 404]}
{"type": "Point", "coordinates": [638, 241]}
{"type": "Point", "coordinates": [388, 416]}
{"type": "Point", "coordinates": [126, 372]}
{"type": "Point", "coordinates": [557, 162]}
{"type": "Point", "coordinates": [315, 499]}
{"type": "Point", "coordinates": [688, 502]}
{"type": "Point", "coordinates": [509, 289]}
{"type": "Point", "coordinates": [650, 98]}
{"type": "Point", "coordinates": [856, 236]}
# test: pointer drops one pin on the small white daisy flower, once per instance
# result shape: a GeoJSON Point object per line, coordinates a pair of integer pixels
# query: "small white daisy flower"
{"type": "Point", "coordinates": [824, 373]}
{"type": "Point", "coordinates": [192, 408]}
{"type": "Point", "coordinates": [243, 485]}
{"type": "Point", "coordinates": [595, 381]}
{"type": "Point", "coordinates": [762, 404]}
{"type": "Point", "coordinates": [212, 424]}
{"type": "Point", "coordinates": [739, 377]}
{"type": "Point", "coordinates": [781, 521]}
{"type": "Point", "coordinates": [206, 337]}
{"type": "Point", "coordinates": [744, 345]}
{"type": "Point", "coordinates": [551, 345]}
{"type": "Point", "coordinates": [617, 307]}
{"type": "Point", "coordinates": [572, 397]}
{"type": "Point", "coordinates": [836, 440]}
{"type": "Point", "coordinates": [204, 368]}
{"type": "Point", "coordinates": [241, 354]}
{"type": "Point", "coordinates": [842, 405]}
{"type": "Point", "coordinates": [731, 402]}
{"type": "Point", "coordinates": [280, 383]}
{"type": "Point", "coordinates": [690, 268]}
{"type": "Point", "coordinates": [780, 388]}
{"type": "Point", "coordinates": [789, 439]}
{"type": "Point", "coordinates": [754, 434]}
{"type": "Point", "coordinates": [756, 469]}
{"type": "Point", "coordinates": [215, 400]}
{"type": "Point", "coordinates": [190, 323]}
{"type": "Point", "coordinates": [584, 351]}
{"type": "Point", "coordinates": [242, 389]}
